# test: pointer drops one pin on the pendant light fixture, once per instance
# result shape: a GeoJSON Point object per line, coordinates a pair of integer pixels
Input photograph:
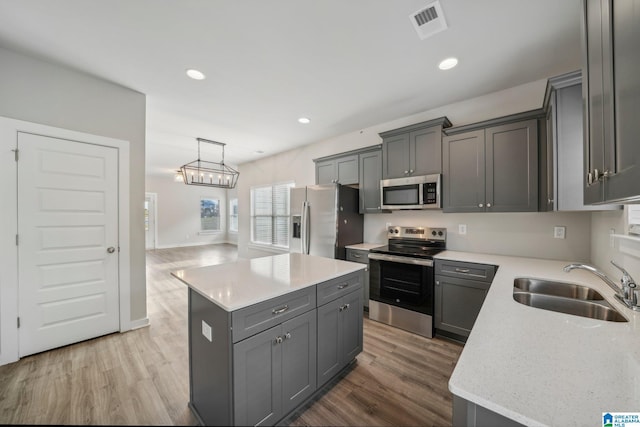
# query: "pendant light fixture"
{"type": "Point", "coordinates": [209, 174]}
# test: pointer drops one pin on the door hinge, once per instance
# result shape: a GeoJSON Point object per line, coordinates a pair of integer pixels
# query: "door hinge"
{"type": "Point", "coordinates": [17, 240]}
{"type": "Point", "coordinates": [16, 151]}
{"type": "Point", "coordinates": [18, 322]}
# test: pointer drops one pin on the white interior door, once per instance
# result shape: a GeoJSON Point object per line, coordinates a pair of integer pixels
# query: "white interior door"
{"type": "Point", "coordinates": [68, 242]}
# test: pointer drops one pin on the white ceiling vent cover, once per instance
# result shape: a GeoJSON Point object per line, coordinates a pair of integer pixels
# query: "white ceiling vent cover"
{"type": "Point", "coordinates": [428, 20]}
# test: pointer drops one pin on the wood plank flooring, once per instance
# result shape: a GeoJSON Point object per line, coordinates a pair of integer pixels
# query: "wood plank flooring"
{"type": "Point", "coordinates": [141, 377]}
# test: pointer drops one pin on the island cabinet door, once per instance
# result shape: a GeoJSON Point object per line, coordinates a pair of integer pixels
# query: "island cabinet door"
{"type": "Point", "coordinates": [298, 360]}
{"type": "Point", "coordinates": [339, 334]}
{"type": "Point", "coordinates": [257, 378]}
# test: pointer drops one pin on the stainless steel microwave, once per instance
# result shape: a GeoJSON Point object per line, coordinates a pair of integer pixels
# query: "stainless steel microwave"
{"type": "Point", "coordinates": [414, 192]}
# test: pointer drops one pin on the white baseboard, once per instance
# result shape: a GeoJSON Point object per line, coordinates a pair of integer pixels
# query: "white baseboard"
{"type": "Point", "coordinates": [184, 245]}
{"type": "Point", "coordinates": [139, 323]}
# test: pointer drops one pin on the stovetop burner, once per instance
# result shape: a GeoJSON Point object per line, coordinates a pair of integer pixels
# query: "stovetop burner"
{"type": "Point", "coordinates": [416, 242]}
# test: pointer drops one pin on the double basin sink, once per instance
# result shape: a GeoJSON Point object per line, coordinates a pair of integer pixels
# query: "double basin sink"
{"type": "Point", "coordinates": [562, 297]}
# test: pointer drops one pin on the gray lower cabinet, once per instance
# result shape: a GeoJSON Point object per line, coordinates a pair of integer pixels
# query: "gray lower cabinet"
{"type": "Point", "coordinates": [339, 334]}
{"type": "Point", "coordinates": [275, 371]}
{"type": "Point", "coordinates": [460, 290]}
{"type": "Point", "coordinates": [361, 256]}
{"type": "Point", "coordinates": [492, 167]}
{"type": "Point", "coordinates": [468, 414]}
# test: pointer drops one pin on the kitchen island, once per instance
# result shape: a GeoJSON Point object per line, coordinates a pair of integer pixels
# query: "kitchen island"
{"type": "Point", "coordinates": [525, 365]}
{"type": "Point", "coordinates": [266, 334]}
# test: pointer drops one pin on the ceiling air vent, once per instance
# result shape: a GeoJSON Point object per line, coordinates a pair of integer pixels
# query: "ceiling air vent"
{"type": "Point", "coordinates": [428, 20]}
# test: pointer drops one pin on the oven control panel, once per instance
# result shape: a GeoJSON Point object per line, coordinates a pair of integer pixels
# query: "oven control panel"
{"type": "Point", "coordinates": [421, 233]}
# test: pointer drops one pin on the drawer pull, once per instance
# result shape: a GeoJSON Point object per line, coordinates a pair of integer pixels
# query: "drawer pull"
{"type": "Point", "coordinates": [355, 255]}
{"type": "Point", "coordinates": [344, 285]}
{"type": "Point", "coordinates": [462, 270]}
{"type": "Point", "coordinates": [280, 310]}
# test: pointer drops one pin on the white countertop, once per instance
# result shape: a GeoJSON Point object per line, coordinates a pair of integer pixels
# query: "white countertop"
{"type": "Point", "coordinates": [540, 367]}
{"type": "Point", "coordinates": [365, 246]}
{"type": "Point", "coordinates": [246, 282]}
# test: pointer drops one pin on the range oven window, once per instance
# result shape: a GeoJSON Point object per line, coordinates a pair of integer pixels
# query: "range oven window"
{"type": "Point", "coordinates": [401, 195]}
{"type": "Point", "coordinates": [403, 285]}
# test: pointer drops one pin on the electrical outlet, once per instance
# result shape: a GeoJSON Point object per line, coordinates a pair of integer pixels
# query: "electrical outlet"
{"type": "Point", "coordinates": [462, 228]}
{"type": "Point", "coordinates": [207, 331]}
{"type": "Point", "coordinates": [559, 232]}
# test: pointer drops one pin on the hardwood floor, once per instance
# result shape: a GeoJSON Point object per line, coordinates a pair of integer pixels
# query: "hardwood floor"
{"type": "Point", "coordinates": [141, 377]}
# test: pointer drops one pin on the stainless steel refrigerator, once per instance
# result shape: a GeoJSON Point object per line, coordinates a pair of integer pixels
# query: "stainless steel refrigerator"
{"type": "Point", "coordinates": [324, 219]}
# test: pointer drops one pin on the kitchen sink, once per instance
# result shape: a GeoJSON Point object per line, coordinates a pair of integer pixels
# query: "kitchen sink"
{"type": "Point", "coordinates": [600, 310]}
{"type": "Point", "coordinates": [559, 289]}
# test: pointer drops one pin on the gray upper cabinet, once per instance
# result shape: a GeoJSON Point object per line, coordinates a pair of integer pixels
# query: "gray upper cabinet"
{"type": "Point", "coordinates": [611, 91]}
{"type": "Point", "coordinates": [492, 166]}
{"type": "Point", "coordinates": [413, 150]}
{"type": "Point", "coordinates": [370, 176]}
{"type": "Point", "coordinates": [561, 172]}
{"type": "Point", "coordinates": [340, 169]}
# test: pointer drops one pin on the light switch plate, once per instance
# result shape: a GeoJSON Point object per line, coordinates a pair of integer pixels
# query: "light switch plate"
{"type": "Point", "coordinates": [207, 331]}
{"type": "Point", "coordinates": [462, 228]}
{"type": "Point", "coordinates": [559, 232]}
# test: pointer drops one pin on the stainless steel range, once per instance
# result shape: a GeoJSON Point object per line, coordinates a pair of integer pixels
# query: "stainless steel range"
{"type": "Point", "coordinates": [401, 278]}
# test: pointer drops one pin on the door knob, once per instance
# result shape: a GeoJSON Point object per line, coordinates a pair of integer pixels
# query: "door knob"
{"type": "Point", "coordinates": [111, 249]}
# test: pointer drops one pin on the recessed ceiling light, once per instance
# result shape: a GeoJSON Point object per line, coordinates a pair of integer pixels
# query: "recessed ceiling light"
{"type": "Point", "coordinates": [304, 120]}
{"type": "Point", "coordinates": [448, 63]}
{"type": "Point", "coordinates": [195, 74]}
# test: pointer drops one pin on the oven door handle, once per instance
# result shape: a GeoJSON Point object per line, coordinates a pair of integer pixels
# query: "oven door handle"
{"type": "Point", "coordinates": [401, 259]}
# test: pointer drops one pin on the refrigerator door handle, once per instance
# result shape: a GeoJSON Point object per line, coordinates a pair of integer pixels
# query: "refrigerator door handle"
{"type": "Point", "coordinates": [306, 230]}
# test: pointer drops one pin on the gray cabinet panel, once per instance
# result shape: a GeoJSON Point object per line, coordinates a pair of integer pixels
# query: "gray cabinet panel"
{"type": "Point", "coordinates": [426, 151]}
{"type": "Point", "coordinates": [361, 256]}
{"type": "Point", "coordinates": [298, 360]}
{"type": "Point", "coordinates": [512, 167]}
{"type": "Point", "coordinates": [257, 374]}
{"type": "Point", "coordinates": [325, 172]}
{"type": "Point", "coordinates": [612, 92]}
{"type": "Point", "coordinates": [347, 170]}
{"type": "Point", "coordinates": [329, 357]}
{"type": "Point", "coordinates": [395, 156]}
{"type": "Point", "coordinates": [258, 317]}
{"type": "Point", "coordinates": [339, 334]}
{"type": "Point", "coordinates": [458, 302]}
{"type": "Point", "coordinates": [463, 172]}
{"type": "Point", "coordinates": [370, 176]}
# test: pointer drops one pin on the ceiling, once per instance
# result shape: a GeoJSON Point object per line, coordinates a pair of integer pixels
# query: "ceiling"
{"type": "Point", "coordinates": [346, 65]}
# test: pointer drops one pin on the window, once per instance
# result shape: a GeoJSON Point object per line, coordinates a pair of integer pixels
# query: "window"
{"type": "Point", "coordinates": [209, 214]}
{"type": "Point", "coordinates": [270, 215]}
{"type": "Point", "coordinates": [233, 215]}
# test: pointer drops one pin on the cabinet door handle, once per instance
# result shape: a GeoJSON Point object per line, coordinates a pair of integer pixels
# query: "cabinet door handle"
{"type": "Point", "coordinates": [341, 308]}
{"type": "Point", "coordinates": [280, 310]}
{"type": "Point", "coordinates": [346, 306]}
{"type": "Point", "coordinates": [344, 285]}
{"type": "Point", "coordinates": [462, 270]}
{"type": "Point", "coordinates": [287, 336]}
{"type": "Point", "coordinates": [488, 205]}
{"type": "Point", "coordinates": [410, 170]}
{"type": "Point", "coordinates": [437, 282]}
{"type": "Point", "coordinates": [278, 340]}
{"type": "Point", "coordinates": [406, 172]}
{"type": "Point", "coordinates": [480, 205]}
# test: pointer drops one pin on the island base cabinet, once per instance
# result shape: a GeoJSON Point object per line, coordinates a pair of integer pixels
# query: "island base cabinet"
{"type": "Point", "coordinates": [275, 371]}
{"type": "Point", "coordinates": [468, 414]}
{"type": "Point", "coordinates": [339, 334]}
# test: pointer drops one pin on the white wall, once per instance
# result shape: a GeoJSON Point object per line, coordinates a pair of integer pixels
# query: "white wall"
{"type": "Point", "coordinates": [512, 234]}
{"type": "Point", "coordinates": [178, 207]}
{"type": "Point", "coordinates": [625, 252]}
{"type": "Point", "coordinates": [41, 92]}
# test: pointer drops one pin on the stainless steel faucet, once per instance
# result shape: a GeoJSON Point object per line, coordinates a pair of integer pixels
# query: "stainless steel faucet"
{"type": "Point", "coordinates": [626, 294]}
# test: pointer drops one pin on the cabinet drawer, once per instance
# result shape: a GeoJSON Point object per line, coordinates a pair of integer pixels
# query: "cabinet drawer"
{"type": "Point", "coordinates": [465, 270]}
{"type": "Point", "coordinates": [358, 255]}
{"type": "Point", "coordinates": [335, 288]}
{"type": "Point", "coordinates": [262, 316]}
